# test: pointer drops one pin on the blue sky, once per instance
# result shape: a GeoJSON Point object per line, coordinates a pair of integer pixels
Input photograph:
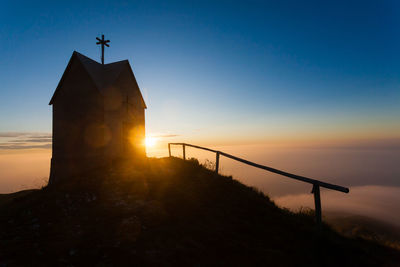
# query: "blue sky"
{"type": "Point", "coordinates": [250, 69]}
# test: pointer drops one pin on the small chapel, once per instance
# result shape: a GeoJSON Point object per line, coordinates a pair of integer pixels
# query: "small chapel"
{"type": "Point", "coordinates": [98, 116]}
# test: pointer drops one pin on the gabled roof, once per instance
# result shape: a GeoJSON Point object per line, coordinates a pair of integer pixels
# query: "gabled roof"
{"type": "Point", "coordinates": [103, 76]}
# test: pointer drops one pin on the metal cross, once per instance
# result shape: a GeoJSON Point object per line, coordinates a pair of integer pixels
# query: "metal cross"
{"type": "Point", "coordinates": [103, 43]}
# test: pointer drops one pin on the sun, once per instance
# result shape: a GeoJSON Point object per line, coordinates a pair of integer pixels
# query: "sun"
{"type": "Point", "coordinates": [150, 141]}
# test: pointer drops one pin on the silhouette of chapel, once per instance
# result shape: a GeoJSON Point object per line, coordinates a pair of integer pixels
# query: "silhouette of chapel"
{"type": "Point", "coordinates": [98, 116]}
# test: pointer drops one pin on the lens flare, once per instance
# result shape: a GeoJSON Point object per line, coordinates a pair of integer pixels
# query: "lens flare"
{"type": "Point", "coordinates": [150, 141]}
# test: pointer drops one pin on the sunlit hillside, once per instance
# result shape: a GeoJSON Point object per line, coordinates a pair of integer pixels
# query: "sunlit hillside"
{"type": "Point", "coordinates": [167, 212]}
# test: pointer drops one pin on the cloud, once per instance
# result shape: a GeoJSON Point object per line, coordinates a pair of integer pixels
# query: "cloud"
{"type": "Point", "coordinates": [12, 134]}
{"type": "Point", "coordinates": [387, 144]}
{"type": "Point", "coordinates": [24, 140]}
{"type": "Point", "coordinates": [22, 146]}
{"type": "Point", "coordinates": [49, 135]}
{"type": "Point", "coordinates": [166, 135]}
{"type": "Point", "coordinates": [33, 140]}
{"type": "Point", "coordinates": [24, 134]}
{"type": "Point", "coordinates": [379, 202]}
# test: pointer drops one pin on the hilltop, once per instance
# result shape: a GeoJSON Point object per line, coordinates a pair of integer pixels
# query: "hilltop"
{"type": "Point", "coordinates": [167, 212]}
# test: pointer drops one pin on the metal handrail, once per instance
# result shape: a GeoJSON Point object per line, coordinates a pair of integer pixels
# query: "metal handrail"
{"type": "Point", "coordinates": [316, 183]}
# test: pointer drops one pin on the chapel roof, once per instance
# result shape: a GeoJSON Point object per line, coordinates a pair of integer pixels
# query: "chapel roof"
{"type": "Point", "coordinates": [103, 76]}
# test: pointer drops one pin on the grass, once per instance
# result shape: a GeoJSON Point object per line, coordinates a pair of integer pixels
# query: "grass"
{"type": "Point", "coordinates": [364, 227]}
{"type": "Point", "coordinates": [167, 212]}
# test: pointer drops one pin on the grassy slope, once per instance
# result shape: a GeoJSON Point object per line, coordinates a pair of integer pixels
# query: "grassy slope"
{"type": "Point", "coordinates": [365, 227]}
{"type": "Point", "coordinates": [167, 212]}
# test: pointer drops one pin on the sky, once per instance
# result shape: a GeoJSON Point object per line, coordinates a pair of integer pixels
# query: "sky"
{"type": "Point", "coordinates": [252, 70]}
{"type": "Point", "coordinates": [248, 76]}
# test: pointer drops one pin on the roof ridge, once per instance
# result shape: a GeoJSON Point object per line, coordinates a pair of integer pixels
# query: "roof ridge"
{"type": "Point", "coordinates": [102, 76]}
{"type": "Point", "coordinates": [82, 56]}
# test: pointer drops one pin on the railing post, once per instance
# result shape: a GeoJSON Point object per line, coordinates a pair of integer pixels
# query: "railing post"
{"type": "Point", "coordinates": [184, 151]}
{"type": "Point", "coordinates": [169, 149]}
{"type": "Point", "coordinates": [317, 201]}
{"type": "Point", "coordinates": [217, 162]}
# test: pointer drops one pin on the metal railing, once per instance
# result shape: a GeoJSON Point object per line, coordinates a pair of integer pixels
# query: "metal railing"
{"type": "Point", "coordinates": [316, 183]}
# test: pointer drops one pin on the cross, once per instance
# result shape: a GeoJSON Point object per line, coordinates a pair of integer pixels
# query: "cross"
{"type": "Point", "coordinates": [103, 43]}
